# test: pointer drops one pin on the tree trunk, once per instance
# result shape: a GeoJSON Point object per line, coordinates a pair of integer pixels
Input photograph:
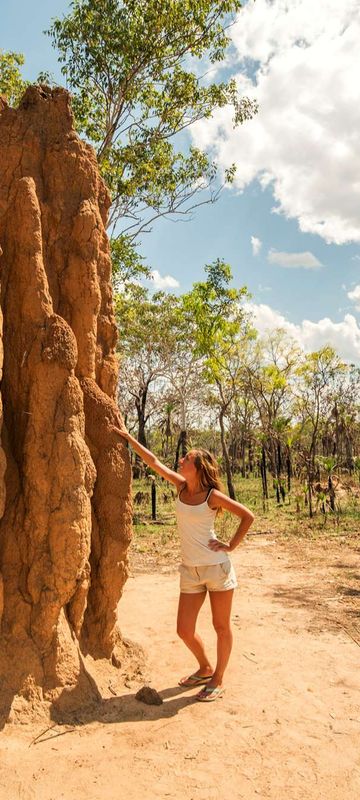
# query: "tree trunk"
{"type": "Point", "coordinates": [331, 493]}
{"type": "Point", "coordinates": [311, 513]}
{"type": "Point", "coordinates": [65, 497]}
{"type": "Point", "coordinates": [181, 447]}
{"type": "Point", "coordinates": [243, 458]}
{"type": "Point", "coordinates": [288, 468]}
{"type": "Point", "coordinates": [263, 472]}
{"type": "Point", "coordinates": [251, 457]}
{"type": "Point", "coordinates": [349, 453]}
{"type": "Point", "coordinates": [226, 458]}
{"type": "Point", "coordinates": [141, 419]}
{"type": "Point", "coordinates": [272, 455]}
{"type": "Point", "coordinates": [182, 444]}
{"type": "Point", "coordinates": [277, 488]}
{"type": "Point", "coordinates": [279, 460]}
{"type": "Point", "coordinates": [167, 434]}
{"type": "Point", "coordinates": [140, 405]}
{"type": "Point", "coordinates": [337, 432]}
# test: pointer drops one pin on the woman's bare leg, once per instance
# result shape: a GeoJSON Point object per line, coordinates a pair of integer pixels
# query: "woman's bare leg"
{"type": "Point", "coordinates": [189, 607]}
{"type": "Point", "coordinates": [221, 610]}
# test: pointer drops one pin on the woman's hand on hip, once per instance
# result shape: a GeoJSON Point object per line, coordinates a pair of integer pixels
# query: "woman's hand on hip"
{"type": "Point", "coordinates": [217, 546]}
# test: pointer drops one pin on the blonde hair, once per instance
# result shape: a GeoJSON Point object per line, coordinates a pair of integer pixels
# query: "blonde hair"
{"type": "Point", "coordinates": [208, 470]}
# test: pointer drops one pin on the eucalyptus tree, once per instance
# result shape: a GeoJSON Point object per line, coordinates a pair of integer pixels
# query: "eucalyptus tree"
{"type": "Point", "coordinates": [317, 376]}
{"type": "Point", "coordinates": [166, 424]}
{"type": "Point", "coordinates": [182, 374]}
{"type": "Point", "coordinates": [147, 327]}
{"type": "Point", "coordinates": [329, 465]}
{"type": "Point", "coordinates": [270, 373]}
{"type": "Point", "coordinates": [219, 327]}
{"type": "Point", "coordinates": [140, 77]}
{"type": "Point", "coordinates": [243, 419]}
{"type": "Point", "coordinates": [341, 435]}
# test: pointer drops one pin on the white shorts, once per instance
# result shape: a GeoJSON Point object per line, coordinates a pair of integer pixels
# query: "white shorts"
{"type": "Point", "coordinates": [212, 578]}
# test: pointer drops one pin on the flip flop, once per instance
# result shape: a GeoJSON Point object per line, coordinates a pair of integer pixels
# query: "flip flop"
{"type": "Point", "coordinates": [210, 693]}
{"type": "Point", "coordinates": [194, 680]}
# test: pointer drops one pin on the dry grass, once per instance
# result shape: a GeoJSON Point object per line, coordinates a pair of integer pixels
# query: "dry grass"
{"type": "Point", "coordinates": [155, 542]}
{"type": "Point", "coordinates": [325, 549]}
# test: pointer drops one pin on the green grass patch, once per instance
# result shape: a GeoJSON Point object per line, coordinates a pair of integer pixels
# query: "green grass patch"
{"type": "Point", "coordinates": [289, 518]}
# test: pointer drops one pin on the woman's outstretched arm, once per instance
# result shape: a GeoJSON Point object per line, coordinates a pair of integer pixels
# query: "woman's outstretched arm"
{"type": "Point", "coordinates": [151, 460]}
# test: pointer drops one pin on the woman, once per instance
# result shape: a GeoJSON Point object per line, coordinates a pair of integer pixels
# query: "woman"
{"type": "Point", "coordinates": [206, 565]}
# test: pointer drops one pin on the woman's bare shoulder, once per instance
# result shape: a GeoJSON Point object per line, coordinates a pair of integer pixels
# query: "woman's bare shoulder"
{"type": "Point", "coordinates": [220, 500]}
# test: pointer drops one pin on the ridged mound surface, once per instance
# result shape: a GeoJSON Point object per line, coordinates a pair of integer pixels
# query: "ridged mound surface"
{"type": "Point", "coordinates": [64, 475]}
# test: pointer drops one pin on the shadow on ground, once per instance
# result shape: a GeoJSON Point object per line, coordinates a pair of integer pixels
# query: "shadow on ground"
{"type": "Point", "coordinates": [123, 708]}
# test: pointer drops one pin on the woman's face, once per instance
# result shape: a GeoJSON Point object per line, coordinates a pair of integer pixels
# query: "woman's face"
{"type": "Point", "coordinates": [187, 466]}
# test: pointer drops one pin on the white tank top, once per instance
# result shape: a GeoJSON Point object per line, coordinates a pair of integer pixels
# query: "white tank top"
{"type": "Point", "coordinates": [196, 527]}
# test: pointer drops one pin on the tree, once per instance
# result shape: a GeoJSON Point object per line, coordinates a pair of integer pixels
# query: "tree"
{"type": "Point", "coordinates": [146, 328]}
{"type": "Point", "coordinates": [329, 465]}
{"type": "Point", "coordinates": [160, 369]}
{"type": "Point", "coordinates": [128, 266]}
{"type": "Point", "coordinates": [317, 376]}
{"type": "Point", "coordinates": [241, 427]}
{"type": "Point", "coordinates": [182, 374]}
{"type": "Point", "coordinates": [134, 68]}
{"type": "Point", "coordinates": [270, 369]}
{"type": "Point", "coordinates": [219, 326]}
{"type": "Point", "coordinates": [12, 85]}
{"type": "Point", "coordinates": [339, 437]}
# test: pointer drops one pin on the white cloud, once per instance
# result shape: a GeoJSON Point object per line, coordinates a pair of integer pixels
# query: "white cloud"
{"type": "Point", "coordinates": [343, 336]}
{"type": "Point", "coordinates": [304, 141]}
{"type": "Point", "coordinates": [354, 295]}
{"type": "Point", "coordinates": [163, 281]}
{"type": "Point", "coordinates": [256, 245]}
{"type": "Point", "coordinates": [293, 260]}
{"type": "Point", "coordinates": [266, 318]}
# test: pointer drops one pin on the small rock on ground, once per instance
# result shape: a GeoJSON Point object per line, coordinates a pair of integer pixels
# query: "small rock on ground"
{"type": "Point", "coordinates": [149, 696]}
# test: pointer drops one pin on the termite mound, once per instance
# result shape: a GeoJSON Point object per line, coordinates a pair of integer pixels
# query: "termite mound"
{"type": "Point", "coordinates": [65, 501]}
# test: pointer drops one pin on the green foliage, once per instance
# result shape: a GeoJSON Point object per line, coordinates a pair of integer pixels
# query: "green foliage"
{"type": "Point", "coordinates": [356, 464]}
{"type": "Point", "coordinates": [320, 368]}
{"type": "Point", "coordinates": [147, 325]}
{"type": "Point", "coordinates": [134, 70]}
{"type": "Point", "coordinates": [270, 370]}
{"type": "Point", "coordinates": [152, 340]}
{"type": "Point", "coordinates": [321, 374]}
{"type": "Point", "coordinates": [274, 377]}
{"type": "Point", "coordinates": [127, 265]}
{"type": "Point", "coordinates": [215, 311]}
{"type": "Point", "coordinates": [12, 85]}
{"type": "Point", "coordinates": [327, 463]}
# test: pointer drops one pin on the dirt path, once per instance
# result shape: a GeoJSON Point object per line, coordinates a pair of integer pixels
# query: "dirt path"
{"type": "Point", "coordinates": [288, 726]}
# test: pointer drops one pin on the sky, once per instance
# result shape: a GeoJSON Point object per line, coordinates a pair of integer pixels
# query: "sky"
{"type": "Point", "coordinates": [290, 224]}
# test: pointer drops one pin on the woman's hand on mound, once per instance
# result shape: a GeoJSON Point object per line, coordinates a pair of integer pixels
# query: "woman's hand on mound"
{"type": "Point", "coordinates": [120, 432]}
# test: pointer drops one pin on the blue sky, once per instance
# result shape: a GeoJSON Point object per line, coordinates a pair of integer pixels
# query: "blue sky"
{"type": "Point", "coordinates": [300, 155]}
